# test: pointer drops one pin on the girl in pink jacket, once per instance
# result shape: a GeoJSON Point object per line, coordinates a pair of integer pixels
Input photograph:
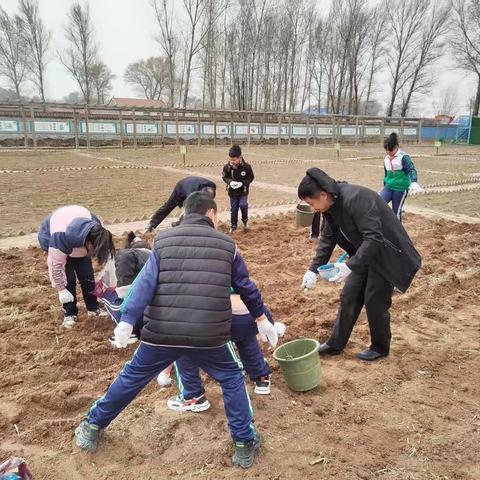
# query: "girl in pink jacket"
{"type": "Point", "coordinates": [71, 235]}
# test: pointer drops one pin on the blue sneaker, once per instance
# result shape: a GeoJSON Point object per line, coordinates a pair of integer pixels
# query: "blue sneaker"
{"type": "Point", "coordinates": [245, 452]}
{"type": "Point", "coordinates": [87, 435]}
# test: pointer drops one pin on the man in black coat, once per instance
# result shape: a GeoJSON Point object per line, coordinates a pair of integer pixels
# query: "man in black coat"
{"type": "Point", "coordinates": [182, 190]}
{"type": "Point", "coordinates": [238, 175]}
{"type": "Point", "coordinates": [381, 253]}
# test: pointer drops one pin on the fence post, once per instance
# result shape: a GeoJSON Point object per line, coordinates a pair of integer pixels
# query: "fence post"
{"type": "Point", "coordinates": [34, 135]}
{"type": "Point", "coordinates": [134, 118]}
{"type": "Point", "coordinates": [75, 128]}
{"type": "Point", "coordinates": [437, 128]}
{"type": "Point", "coordinates": [279, 129]}
{"type": "Point", "coordinates": [402, 124]}
{"type": "Point", "coordinates": [289, 130]}
{"type": "Point", "coordinates": [314, 132]}
{"type": "Point", "coordinates": [214, 129]}
{"type": "Point", "coordinates": [231, 128]}
{"type": "Point", "coordinates": [419, 132]}
{"type": "Point", "coordinates": [199, 133]}
{"type": "Point", "coordinates": [249, 120]}
{"type": "Point", "coordinates": [120, 119]}
{"type": "Point", "coordinates": [382, 132]}
{"type": "Point", "coordinates": [177, 135]}
{"type": "Point", "coordinates": [262, 126]}
{"type": "Point", "coordinates": [24, 123]}
{"type": "Point", "coordinates": [162, 137]}
{"type": "Point", "coordinates": [356, 131]}
{"type": "Point", "coordinates": [87, 129]}
{"type": "Point", "coordinates": [307, 142]}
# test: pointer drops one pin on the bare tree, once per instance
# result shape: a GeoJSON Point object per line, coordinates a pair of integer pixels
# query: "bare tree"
{"type": "Point", "coordinates": [150, 76]}
{"type": "Point", "coordinates": [73, 97]}
{"type": "Point", "coordinates": [465, 41]}
{"type": "Point", "coordinates": [81, 55]}
{"type": "Point", "coordinates": [429, 48]}
{"type": "Point", "coordinates": [405, 22]}
{"type": "Point", "coordinates": [376, 36]}
{"type": "Point", "coordinates": [168, 41]}
{"type": "Point", "coordinates": [101, 77]}
{"type": "Point", "coordinates": [37, 39]}
{"type": "Point", "coordinates": [13, 52]}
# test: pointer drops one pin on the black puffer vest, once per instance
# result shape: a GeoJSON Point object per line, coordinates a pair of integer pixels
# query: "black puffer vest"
{"type": "Point", "coordinates": [191, 306]}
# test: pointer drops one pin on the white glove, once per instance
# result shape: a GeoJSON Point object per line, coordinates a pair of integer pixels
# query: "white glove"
{"type": "Point", "coordinates": [164, 379]}
{"type": "Point", "coordinates": [280, 328]}
{"type": "Point", "coordinates": [267, 331]}
{"type": "Point", "coordinates": [415, 188]}
{"type": "Point", "coordinates": [65, 296]}
{"type": "Point", "coordinates": [309, 279]}
{"type": "Point", "coordinates": [122, 334]}
{"type": "Point", "coordinates": [343, 272]}
{"type": "Point", "coordinates": [236, 185]}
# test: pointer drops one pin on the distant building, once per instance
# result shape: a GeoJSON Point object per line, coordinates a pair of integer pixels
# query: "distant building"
{"type": "Point", "coordinates": [136, 103]}
{"type": "Point", "coordinates": [444, 119]}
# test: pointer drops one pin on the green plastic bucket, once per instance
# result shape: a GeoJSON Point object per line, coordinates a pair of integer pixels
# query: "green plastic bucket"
{"type": "Point", "coordinates": [303, 215]}
{"type": "Point", "coordinates": [299, 363]}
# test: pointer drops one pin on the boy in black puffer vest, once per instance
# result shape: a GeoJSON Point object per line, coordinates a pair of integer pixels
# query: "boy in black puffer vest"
{"type": "Point", "coordinates": [238, 175]}
{"type": "Point", "coordinates": [183, 292]}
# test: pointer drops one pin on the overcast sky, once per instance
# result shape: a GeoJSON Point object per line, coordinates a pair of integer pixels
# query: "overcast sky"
{"type": "Point", "coordinates": [125, 30]}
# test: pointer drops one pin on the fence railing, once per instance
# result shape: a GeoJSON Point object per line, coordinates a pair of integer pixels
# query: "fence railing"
{"type": "Point", "coordinates": [69, 125]}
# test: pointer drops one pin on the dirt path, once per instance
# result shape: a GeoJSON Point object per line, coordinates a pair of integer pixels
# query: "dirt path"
{"type": "Point", "coordinates": [412, 416]}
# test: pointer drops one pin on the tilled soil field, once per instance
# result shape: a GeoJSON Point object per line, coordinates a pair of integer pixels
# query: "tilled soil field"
{"type": "Point", "coordinates": [414, 415]}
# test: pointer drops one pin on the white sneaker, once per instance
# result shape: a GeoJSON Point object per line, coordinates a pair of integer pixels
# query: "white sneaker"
{"type": "Point", "coordinates": [262, 385]}
{"type": "Point", "coordinates": [196, 404]}
{"type": "Point", "coordinates": [69, 321]}
{"type": "Point", "coordinates": [97, 313]}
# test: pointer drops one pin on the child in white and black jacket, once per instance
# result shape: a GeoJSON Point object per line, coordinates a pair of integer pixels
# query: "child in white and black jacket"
{"type": "Point", "coordinates": [128, 264]}
{"type": "Point", "coordinates": [238, 175]}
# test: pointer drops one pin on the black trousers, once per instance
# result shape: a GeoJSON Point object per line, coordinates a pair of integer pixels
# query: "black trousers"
{"type": "Point", "coordinates": [372, 290]}
{"type": "Point", "coordinates": [82, 269]}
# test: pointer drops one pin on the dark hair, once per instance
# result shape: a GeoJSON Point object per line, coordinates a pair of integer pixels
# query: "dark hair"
{"type": "Point", "coordinates": [132, 241]}
{"type": "Point", "coordinates": [235, 151]}
{"type": "Point", "coordinates": [391, 142]}
{"type": "Point", "coordinates": [308, 188]}
{"type": "Point", "coordinates": [199, 202]}
{"type": "Point", "coordinates": [209, 191]}
{"type": "Point", "coordinates": [103, 247]}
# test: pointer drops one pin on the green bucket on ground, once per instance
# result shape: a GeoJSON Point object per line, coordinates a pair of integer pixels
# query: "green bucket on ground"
{"type": "Point", "coordinates": [303, 215]}
{"type": "Point", "coordinates": [299, 363]}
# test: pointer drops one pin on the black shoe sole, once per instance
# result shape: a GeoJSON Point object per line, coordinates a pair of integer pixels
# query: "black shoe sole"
{"type": "Point", "coordinates": [371, 359]}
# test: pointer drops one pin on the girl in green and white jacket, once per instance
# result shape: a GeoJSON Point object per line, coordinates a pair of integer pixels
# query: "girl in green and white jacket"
{"type": "Point", "coordinates": [400, 175]}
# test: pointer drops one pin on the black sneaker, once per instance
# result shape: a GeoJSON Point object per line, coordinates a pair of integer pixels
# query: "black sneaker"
{"type": "Point", "coordinates": [245, 452]}
{"type": "Point", "coordinates": [262, 385]}
{"type": "Point", "coordinates": [232, 229]}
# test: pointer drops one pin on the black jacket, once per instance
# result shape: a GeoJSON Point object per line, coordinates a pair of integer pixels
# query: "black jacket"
{"type": "Point", "coordinates": [243, 173]}
{"type": "Point", "coordinates": [129, 262]}
{"type": "Point", "coordinates": [361, 221]}
{"type": "Point", "coordinates": [182, 190]}
{"type": "Point", "coordinates": [191, 305]}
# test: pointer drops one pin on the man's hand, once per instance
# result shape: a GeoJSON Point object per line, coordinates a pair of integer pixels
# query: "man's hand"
{"type": "Point", "coordinates": [267, 331]}
{"type": "Point", "coordinates": [122, 334]}
{"type": "Point", "coordinates": [149, 228]}
{"type": "Point", "coordinates": [415, 188]}
{"type": "Point", "coordinates": [343, 272]}
{"type": "Point", "coordinates": [309, 279]}
{"type": "Point", "coordinates": [65, 296]}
